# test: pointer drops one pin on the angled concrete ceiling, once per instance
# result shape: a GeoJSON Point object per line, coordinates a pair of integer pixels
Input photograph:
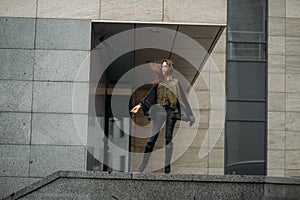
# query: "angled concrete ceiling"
{"type": "Point", "coordinates": [206, 35]}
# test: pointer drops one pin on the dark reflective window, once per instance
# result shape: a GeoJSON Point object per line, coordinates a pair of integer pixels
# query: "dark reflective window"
{"type": "Point", "coordinates": [246, 80]}
{"type": "Point", "coordinates": [252, 111]}
{"type": "Point", "coordinates": [246, 147]}
{"type": "Point", "coordinates": [247, 141]}
{"type": "Point", "coordinates": [246, 74]}
{"type": "Point", "coordinates": [247, 51]}
{"type": "Point", "coordinates": [246, 29]}
{"type": "Point", "coordinates": [246, 20]}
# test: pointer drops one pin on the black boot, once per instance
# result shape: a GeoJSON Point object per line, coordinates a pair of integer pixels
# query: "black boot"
{"type": "Point", "coordinates": [168, 153]}
{"type": "Point", "coordinates": [147, 153]}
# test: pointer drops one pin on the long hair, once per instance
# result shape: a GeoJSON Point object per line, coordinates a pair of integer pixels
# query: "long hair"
{"type": "Point", "coordinates": [156, 66]}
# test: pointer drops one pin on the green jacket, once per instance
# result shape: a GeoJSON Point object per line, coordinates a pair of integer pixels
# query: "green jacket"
{"type": "Point", "coordinates": [184, 110]}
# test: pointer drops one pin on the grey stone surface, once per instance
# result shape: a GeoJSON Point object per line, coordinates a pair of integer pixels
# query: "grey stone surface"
{"type": "Point", "coordinates": [292, 26]}
{"type": "Point", "coordinates": [292, 64]}
{"type": "Point", "coordinates": [222, 191]}
{"type": "Point", "coordinates": [61, 97]}
{"type": "Point", "coordinates": [276, 45]}
{"type": "Point", "coordinates": [292, 82]}
{"type": "Point", "coordinates": [276, 101]}
{"type": "Point", "coordinates": [16, 64]}
{"type": "Point", "coordinates": [293, 102]}
{"type": "Point", "coordinates": [84, 9]}
{"type": "Point", "coordinates": [276, 121]}
{"type": "Point", "coordinates": [276, 172]}
{"type": "Point", "coordinates": [276, 26]}
{"type": "Point", "coordinates": [45, 160]}
{"type": "Point", "coordinates": [63, 34]}
{"type": "Point", "coordinates": [215, 80]}
{"type": "Point", "coordinates": [15, 95]}
{"type": "Point", "coordinates": [276, 63]}
{"type": "Point", "coordinates": [14, 160]}
{"type": "Point", "coordinates": [216, 139]}
{"type": "Point", "coordinates": [216, 158]}
{"type": "Point", "coordinates": [279, 191]}
{"type": "Point", "coordinates": [15, 128]}
{"type": "Point", "coordinates": [292, 159]}
{"type": "Point", "coordinates": [276, 82]}
{"type": "Point", "coordinates": [277, 8]}
{"type": "Point", "coordinates": [200, 83]}
{"type": "Point", "coordinates": [17, 33]}
{"type": "Point", "coordinates": [219, 60]}
{"type": "Point", "coordinates": [212, 11]}
{"type": "Point", "coordinates": [123, 189]}
{"type": "Point", "coordinates": [221, 44]}
{"type": "Point", "coordinates": [216, 171]}
{"type": "Point", "coordinates": [276, 140]}
{"type": "Point", "coordinates": [292, 8]}
{"type": "Point", "coordinates": [93, 185]}
{"type": "Point", "coordinates": [292, 140]}
{"type": "Point", "coordinates": [10, 185]}
{"type": "Point", "coordinates": [57, 65]}
{"type": "Point", "coordinates": [148, 10]}
{"type": "Point", "coordinates": [83, 189]}
{"type": "Point", "coordinates": [90, 185]}
{"type": "Point", "coordinates": [292, 121]}
{"type": "Point", "coordinates": [293, 45]}
{"type": "Point", "coordinates": [203, 99]}
{"type": "Point", "coordinates": [16, 8]}
{"type": "Point", "coordinates": [276, 159]}
{"type": "Point", "coordinates": [292, 173]}
{"type": "Point", "coordinates": [59, 129]}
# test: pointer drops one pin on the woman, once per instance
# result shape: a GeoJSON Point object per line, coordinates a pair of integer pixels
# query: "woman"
{"type": "Point", "coordinates": [165, 102]}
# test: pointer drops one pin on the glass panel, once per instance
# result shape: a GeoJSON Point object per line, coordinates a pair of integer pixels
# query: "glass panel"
{"type": "Point", "coordinates": [245, 147]}
{"type": "Point", "coordinates": [246, 36]}
{"type": "Point", "coordinates": [117, 127]}
{"type": "Point", "coordinates": [95, 148]}
{"type": "Point", "coordinates": [246, 80]}
{"type": "Point", "coordinates": [246, 111]}
{"type": "Point", "coordinates": [246, 20]}
{"type": "Point", "coordinates": [245, 141]}
{"type": "Point", "coordinates": [244, 51]}
{"type": "Point", "coordinates": [109, 140]}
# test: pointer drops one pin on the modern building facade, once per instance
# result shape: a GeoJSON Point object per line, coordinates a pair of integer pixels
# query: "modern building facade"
{"type": "Point", "coordinates": [54, 103]}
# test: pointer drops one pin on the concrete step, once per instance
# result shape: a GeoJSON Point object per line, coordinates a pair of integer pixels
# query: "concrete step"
{"type": "Point", "coordinates": [103, 185]}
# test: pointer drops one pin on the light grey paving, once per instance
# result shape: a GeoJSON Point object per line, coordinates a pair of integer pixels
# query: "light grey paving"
{"type": "Point", "coordinates": [48, 159]}
{"type": "Point", "coordinates": [15, 96]}
{"type": "Point", "coordinates": [16, 64]}
{"type": "Point", "coordinates": [60, 97]}
{"type": "Point", "coordinates": [17, 33]}
{"type": "Point", "coordinates": [58, 65]}
{"type": "Point", "coordinates": [14, 160]}
{"type": "Point", "coordinates": [63, 34]}
{"type": "Point", "coordinates": [9, 185]}
{"type": "Point", "coordinates": [59, 129]}
{"type": "Point", "coordinates": [15, 128]}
